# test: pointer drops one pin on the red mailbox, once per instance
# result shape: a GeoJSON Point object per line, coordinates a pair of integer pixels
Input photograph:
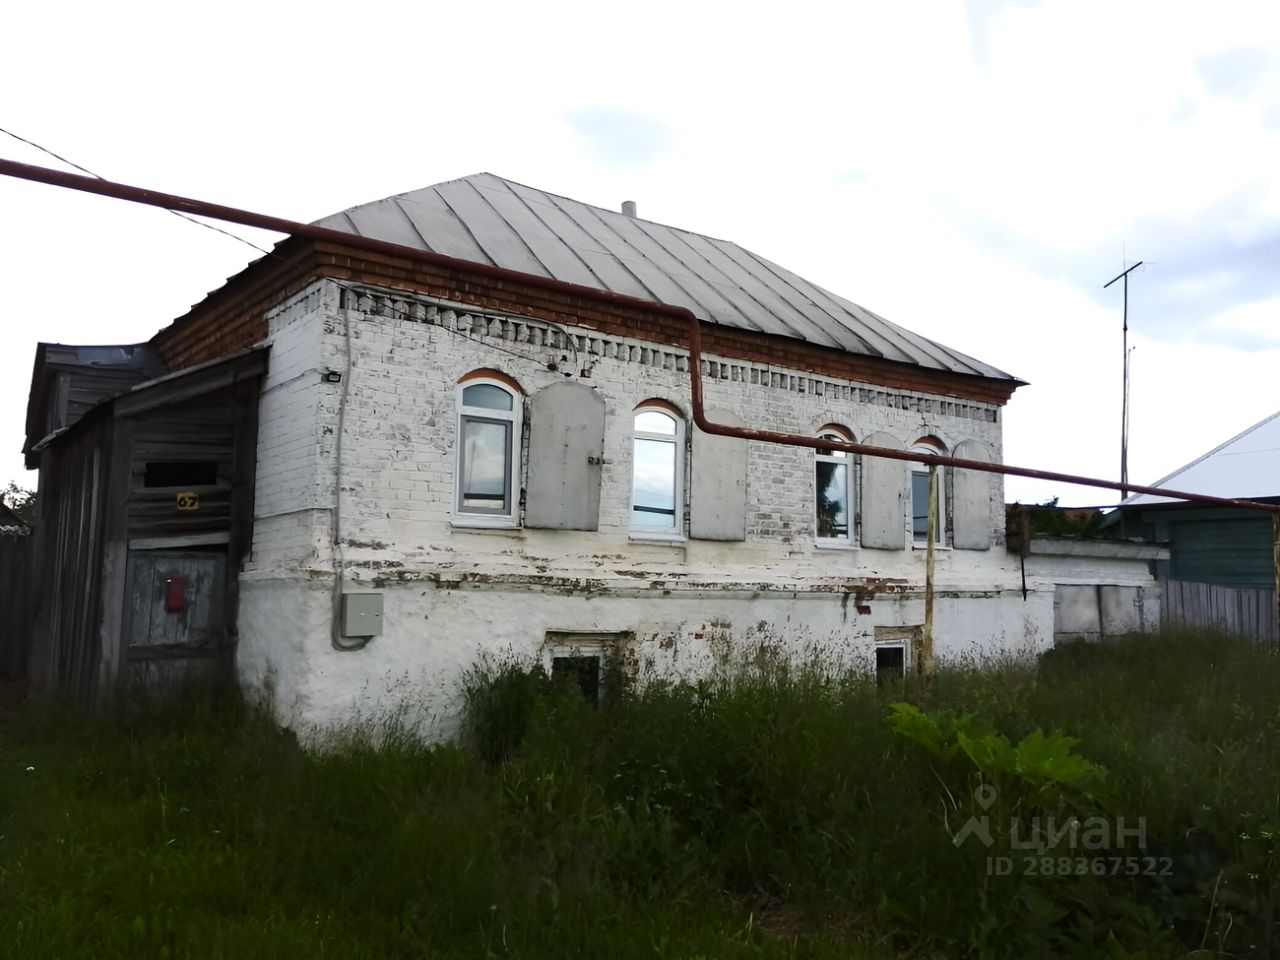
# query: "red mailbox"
{"type": "Point", "coordinates": [175, 594]}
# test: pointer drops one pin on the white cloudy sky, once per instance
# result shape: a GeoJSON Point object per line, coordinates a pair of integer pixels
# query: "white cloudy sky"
{"type": "Point", "coordinates": [974, 171]}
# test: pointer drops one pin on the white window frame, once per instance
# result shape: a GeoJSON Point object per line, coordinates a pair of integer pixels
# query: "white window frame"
{"type": "Point", "coordinates": [676, 532]}
{"type": "Point", "coordinates": [474, 518]}
{"type": "Point", "coordinates": [905, 638]}
{"type": "Point", "coordinates": [850, 540]}
{"type": "Point", "coordinates": [923, 469]}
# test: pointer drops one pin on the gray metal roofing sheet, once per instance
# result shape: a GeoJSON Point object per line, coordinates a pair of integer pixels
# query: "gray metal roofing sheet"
{"type": "Point", "coordinates": [1245, 467]}
{"type": "Point", "coordinates": [486, 219]}
{"type": "Point", "coordinates": [389, 222]}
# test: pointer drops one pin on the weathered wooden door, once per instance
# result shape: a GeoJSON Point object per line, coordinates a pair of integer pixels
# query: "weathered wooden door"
{"type": "Point", "coordinates": [175, 625]}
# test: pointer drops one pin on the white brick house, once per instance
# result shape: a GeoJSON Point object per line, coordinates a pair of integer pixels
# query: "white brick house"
{"type": "Point", "coordinates": [734, 556]}
{"type": "Point", "coordinates": [456, 461]}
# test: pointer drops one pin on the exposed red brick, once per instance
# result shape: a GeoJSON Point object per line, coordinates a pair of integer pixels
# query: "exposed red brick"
{"type": "Point", "coordinates": [233, 318]}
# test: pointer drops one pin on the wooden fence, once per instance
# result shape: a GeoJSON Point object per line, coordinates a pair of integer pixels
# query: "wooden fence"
{"type": "Point", "coordinates": [1245, 611]}
{"type": "Point", "coordinates": [16, 606]}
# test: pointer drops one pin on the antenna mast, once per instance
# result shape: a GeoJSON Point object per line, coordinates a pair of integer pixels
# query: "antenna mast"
{"type": "Point", "coordinates": [1124, 408]}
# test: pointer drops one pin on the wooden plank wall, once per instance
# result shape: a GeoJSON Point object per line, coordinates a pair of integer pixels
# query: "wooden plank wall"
{"type": "Point", "coordinates": [17, 605]}
{"type": "Point", "coordinates": [1231, 550]}
{"type": "Point", "coordinates": [71, 525]}
{"type": "Point", "coordinates": [1245, 611]}
{"type": "Point", "coordinates": [199, 431]}
{"type": "Point", "coordinates": [98, 518]}
{"type": "Point", "coordinates": [168, 652]}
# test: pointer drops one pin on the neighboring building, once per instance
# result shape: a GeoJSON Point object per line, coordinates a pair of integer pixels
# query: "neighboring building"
{"type": "Point", "coordinates": [1106, 596]}
{"type": "Point", "coordinates": [11, 525]}
{"type": "Point", "coordinates": [143, 516]}
{"type": "Point", "coordinates": [453, 465]}
{"type": "Point", "coordinates": [1227, 546]}
{"type": "Point", "coordinates": [15, 595]}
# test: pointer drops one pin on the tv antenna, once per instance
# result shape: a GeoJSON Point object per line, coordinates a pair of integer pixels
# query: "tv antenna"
{"type": "Point", "coordinates": [1124, 407]}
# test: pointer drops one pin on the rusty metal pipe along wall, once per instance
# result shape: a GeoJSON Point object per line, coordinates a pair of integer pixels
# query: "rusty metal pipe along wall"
{"type": "Point", "coordinates": [248, 218]}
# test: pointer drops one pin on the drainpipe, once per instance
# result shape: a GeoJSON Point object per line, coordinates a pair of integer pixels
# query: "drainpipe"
{"type": "Point", "coordinates": [1275, 556]}
{"type": "Point", "coordinates": [888, 453]}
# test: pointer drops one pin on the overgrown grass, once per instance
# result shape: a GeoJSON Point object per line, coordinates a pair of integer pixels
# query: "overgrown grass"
{"type": "Point", "coordinates": [779, 814]}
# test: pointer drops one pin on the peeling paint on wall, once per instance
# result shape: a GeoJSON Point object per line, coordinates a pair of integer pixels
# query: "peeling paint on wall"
{"type": "Point", "coordinates": [694, 606]}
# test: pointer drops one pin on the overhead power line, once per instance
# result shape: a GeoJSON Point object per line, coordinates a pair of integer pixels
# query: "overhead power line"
{"type": "Point", "coordinates": [98, 176]}
{"type": "Point", "coordinates": [293, 262]}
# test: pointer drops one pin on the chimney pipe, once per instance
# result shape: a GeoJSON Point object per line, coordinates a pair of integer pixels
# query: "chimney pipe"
{"type": "Point", "coordinates": [629, 208]}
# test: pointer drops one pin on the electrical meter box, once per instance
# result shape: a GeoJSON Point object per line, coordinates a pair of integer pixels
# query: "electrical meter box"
{"type": "Point", "coordinates": [361, 614]}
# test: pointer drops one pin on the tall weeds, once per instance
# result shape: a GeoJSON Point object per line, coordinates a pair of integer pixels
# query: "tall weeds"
{"type": "Point", "coordinates": [776, 812]}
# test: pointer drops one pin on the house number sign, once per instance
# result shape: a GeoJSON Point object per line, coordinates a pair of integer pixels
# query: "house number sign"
{"type": "Point", "coordinates": [188, 501]}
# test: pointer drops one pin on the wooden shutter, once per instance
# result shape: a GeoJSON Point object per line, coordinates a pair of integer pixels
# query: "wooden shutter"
{"type": "Point", "coordinates": [884, 486]}
{"type": "Point", "coordinates": [971, 499]}
{"type": "Point", "coordinates": [718, 480]}
{"type": "Point", "coordinates": [566, 449]}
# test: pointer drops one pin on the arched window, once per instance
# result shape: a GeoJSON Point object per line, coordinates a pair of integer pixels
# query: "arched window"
{"type": "Point", "coordinates": [488, 451]}
{"type": "Point", "coordinates": [919, 496]}
{"type": "Point", "coordinates": [657, 471]}
{"type": "Point", "coordinates": [833, 490]}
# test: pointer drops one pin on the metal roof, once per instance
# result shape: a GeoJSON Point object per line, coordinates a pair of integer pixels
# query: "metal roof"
{"type": "Point", "coordinates": [149, 388]}
{"type": "Point", "coordinates": [67, 381]}
{"type": "Point", "coordinates": [1245, 467]}
{"type": "Point", "coordinates": [486, 219]}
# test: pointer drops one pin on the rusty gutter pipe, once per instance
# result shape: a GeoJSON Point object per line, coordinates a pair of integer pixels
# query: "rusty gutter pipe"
{"type": "Point", "coordinates": [309, 231]}
{"type": "Point", "coordinates": [168, 201]}
{"type": "Point", "coordinates": [889, 453]}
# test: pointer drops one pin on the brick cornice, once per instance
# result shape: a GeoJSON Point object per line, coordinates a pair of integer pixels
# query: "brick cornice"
{"type": "Point", "coordinates": [234, 317]}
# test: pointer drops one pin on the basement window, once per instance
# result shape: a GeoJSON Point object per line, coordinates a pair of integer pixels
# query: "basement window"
{"type": "Point", "coordinates": [580, 673]}
{"type": "Point", "coordinates": [893, 646]}
{"type": "Point", "coordinates": [584, 662]}
{"type": "Point", "coordinates": [180, 473]}
{"type": "Point", "coordinates": [891, 663]}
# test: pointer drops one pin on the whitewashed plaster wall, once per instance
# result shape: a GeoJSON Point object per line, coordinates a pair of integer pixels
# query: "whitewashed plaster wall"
{"type": "Point", "coordinates": [453, 594]}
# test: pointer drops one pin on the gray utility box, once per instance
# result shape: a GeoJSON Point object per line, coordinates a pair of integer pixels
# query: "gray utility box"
{"type": "Point", "coordinates": [361, 614]}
